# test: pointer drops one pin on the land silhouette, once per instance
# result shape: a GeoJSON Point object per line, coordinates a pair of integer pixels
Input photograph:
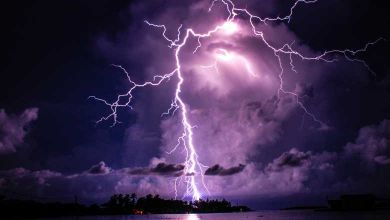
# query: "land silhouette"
{"type": "Point", "coordinates": [350, 202]}
{"type": "Point", "coordinates": [118, 204]}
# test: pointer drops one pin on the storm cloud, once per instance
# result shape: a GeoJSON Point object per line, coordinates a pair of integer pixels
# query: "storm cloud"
{"type": "Point", "coordinates": [330, 137]}
{"type": "Point", "coordinates": [244, 119]}
{"type": "Point", "coordinates": [292, 158]}
{"type": "Point", "coordinates": [13, 128]}
{"type": "Point", "coordinates": [96, 183]}
{"type": "Point", "coordinates": [161, 169]}
{"type": "Point", "coordinates": [218, 170]}
{"type": "Point", "coordinates": [372, 144]}
{"type": "Point", "coordinates": [100, 168]}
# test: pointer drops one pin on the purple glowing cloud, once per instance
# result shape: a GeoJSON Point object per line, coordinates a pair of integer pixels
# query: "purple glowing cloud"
{"type": "Point", "coordinates": [254, 73]}
{"type": "Point", "coordinates": [13, 129]}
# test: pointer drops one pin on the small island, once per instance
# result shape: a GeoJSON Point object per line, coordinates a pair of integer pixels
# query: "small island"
{"type": "Point", "coordinates": [118, 204]}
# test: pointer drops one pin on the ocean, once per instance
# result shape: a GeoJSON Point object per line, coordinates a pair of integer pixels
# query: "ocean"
{"type": "Point", "coordinates": [258, 215]}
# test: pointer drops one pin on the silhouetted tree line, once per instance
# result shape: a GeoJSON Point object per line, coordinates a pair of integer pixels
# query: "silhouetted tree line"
{"type": "Point", "coordinates": [154, 204]}
{"type": "Point", "coordinates": [117, 204]}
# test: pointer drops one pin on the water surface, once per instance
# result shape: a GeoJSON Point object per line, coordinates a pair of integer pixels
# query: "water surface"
{"type": "Point", "coordinates": [259, 215]}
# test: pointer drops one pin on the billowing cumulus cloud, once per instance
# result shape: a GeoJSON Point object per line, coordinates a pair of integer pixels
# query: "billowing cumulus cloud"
{"type": "Point", "coordinates": [271, 179]}
{"type": "Point", "coordinates": [218, 170]}
{"type": "Point", "coordinates": [100, 168]}
{"type": "Point", "coordinates": [292, 171]}
{"type": "Point", "coordinates": [292, 158]}
{"type": "Point", "coordinates": [372, 144]}
{"type": "Point", "coordinates": [20, 175]}
{"type": "Point", "coordinates": [13, 128]}
{"type": "Point", "coordinates": [95, 184]}
{"type": "Point", "coordinates": [297, 171]}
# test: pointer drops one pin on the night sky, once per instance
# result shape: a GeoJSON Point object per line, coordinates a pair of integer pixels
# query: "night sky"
{"type": "Point", "coordinates": [261, 149]}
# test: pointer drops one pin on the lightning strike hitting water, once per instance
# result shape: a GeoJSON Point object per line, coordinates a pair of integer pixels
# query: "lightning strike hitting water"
{"type": "Point", "coordinates": [193, 173]}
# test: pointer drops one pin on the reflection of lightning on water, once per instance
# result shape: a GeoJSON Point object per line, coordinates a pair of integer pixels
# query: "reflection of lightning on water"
{"type": "Point", "coordinates": [193, 173]}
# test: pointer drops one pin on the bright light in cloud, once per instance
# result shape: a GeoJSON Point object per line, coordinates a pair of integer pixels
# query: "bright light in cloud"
{"type": "Point", "coordinates": [230, 27]}
{"type": "Point", "coordinates": [231, 57]}
{"type": "Point", "coordinates": [248, 66]}
{"type": "Point", "coordinates": [223, 55]}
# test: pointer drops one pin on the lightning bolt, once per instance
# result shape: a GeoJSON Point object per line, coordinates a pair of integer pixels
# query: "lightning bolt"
{"type": "Point", "coordinates": [194, 169]}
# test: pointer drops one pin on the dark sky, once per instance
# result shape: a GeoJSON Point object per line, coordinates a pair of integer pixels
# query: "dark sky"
{"type": "Point", "coordinates": [57, 53]}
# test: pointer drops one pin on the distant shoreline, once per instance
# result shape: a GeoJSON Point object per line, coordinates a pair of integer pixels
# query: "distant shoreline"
{"type": "Point", "coordinates": [350, 202]}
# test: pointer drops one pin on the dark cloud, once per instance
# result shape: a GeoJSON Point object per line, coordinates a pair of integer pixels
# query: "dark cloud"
{"type": "Point", "coordinates": [13, 128]}
{"type": "Point", "coordinates": [218, 170]}
{"type": "Point", "coordinates": [162, 169]}
{"type": "Point", "coordinates": [305, 90]}
{"type": "Point", "coordinates": [361, 163]}
{"type": "Point", "coordinates": [291, 172]}
{"type": "Point", "coordinates": [95, 184]}
{"type": "Point", "coordinates": [25, 176]}
{"type": "Point", "coordinates": [382, 159]}
{"type": "Point", "coordinates": [292, 158]}
{"type": "Point", "coordinates": [167, 168]}
{"type": "Point", "coordinates": [262, 111]}
{"type": "Point", "coordinates": [372, 144]}
{"type": "Point", "coordinates": [48, 185]}
{"type": "Point", "coordinates": [100, 168]}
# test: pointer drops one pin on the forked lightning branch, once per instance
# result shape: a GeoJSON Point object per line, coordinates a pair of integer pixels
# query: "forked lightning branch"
{"type": "Point", "coordinates": [193, 177]}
